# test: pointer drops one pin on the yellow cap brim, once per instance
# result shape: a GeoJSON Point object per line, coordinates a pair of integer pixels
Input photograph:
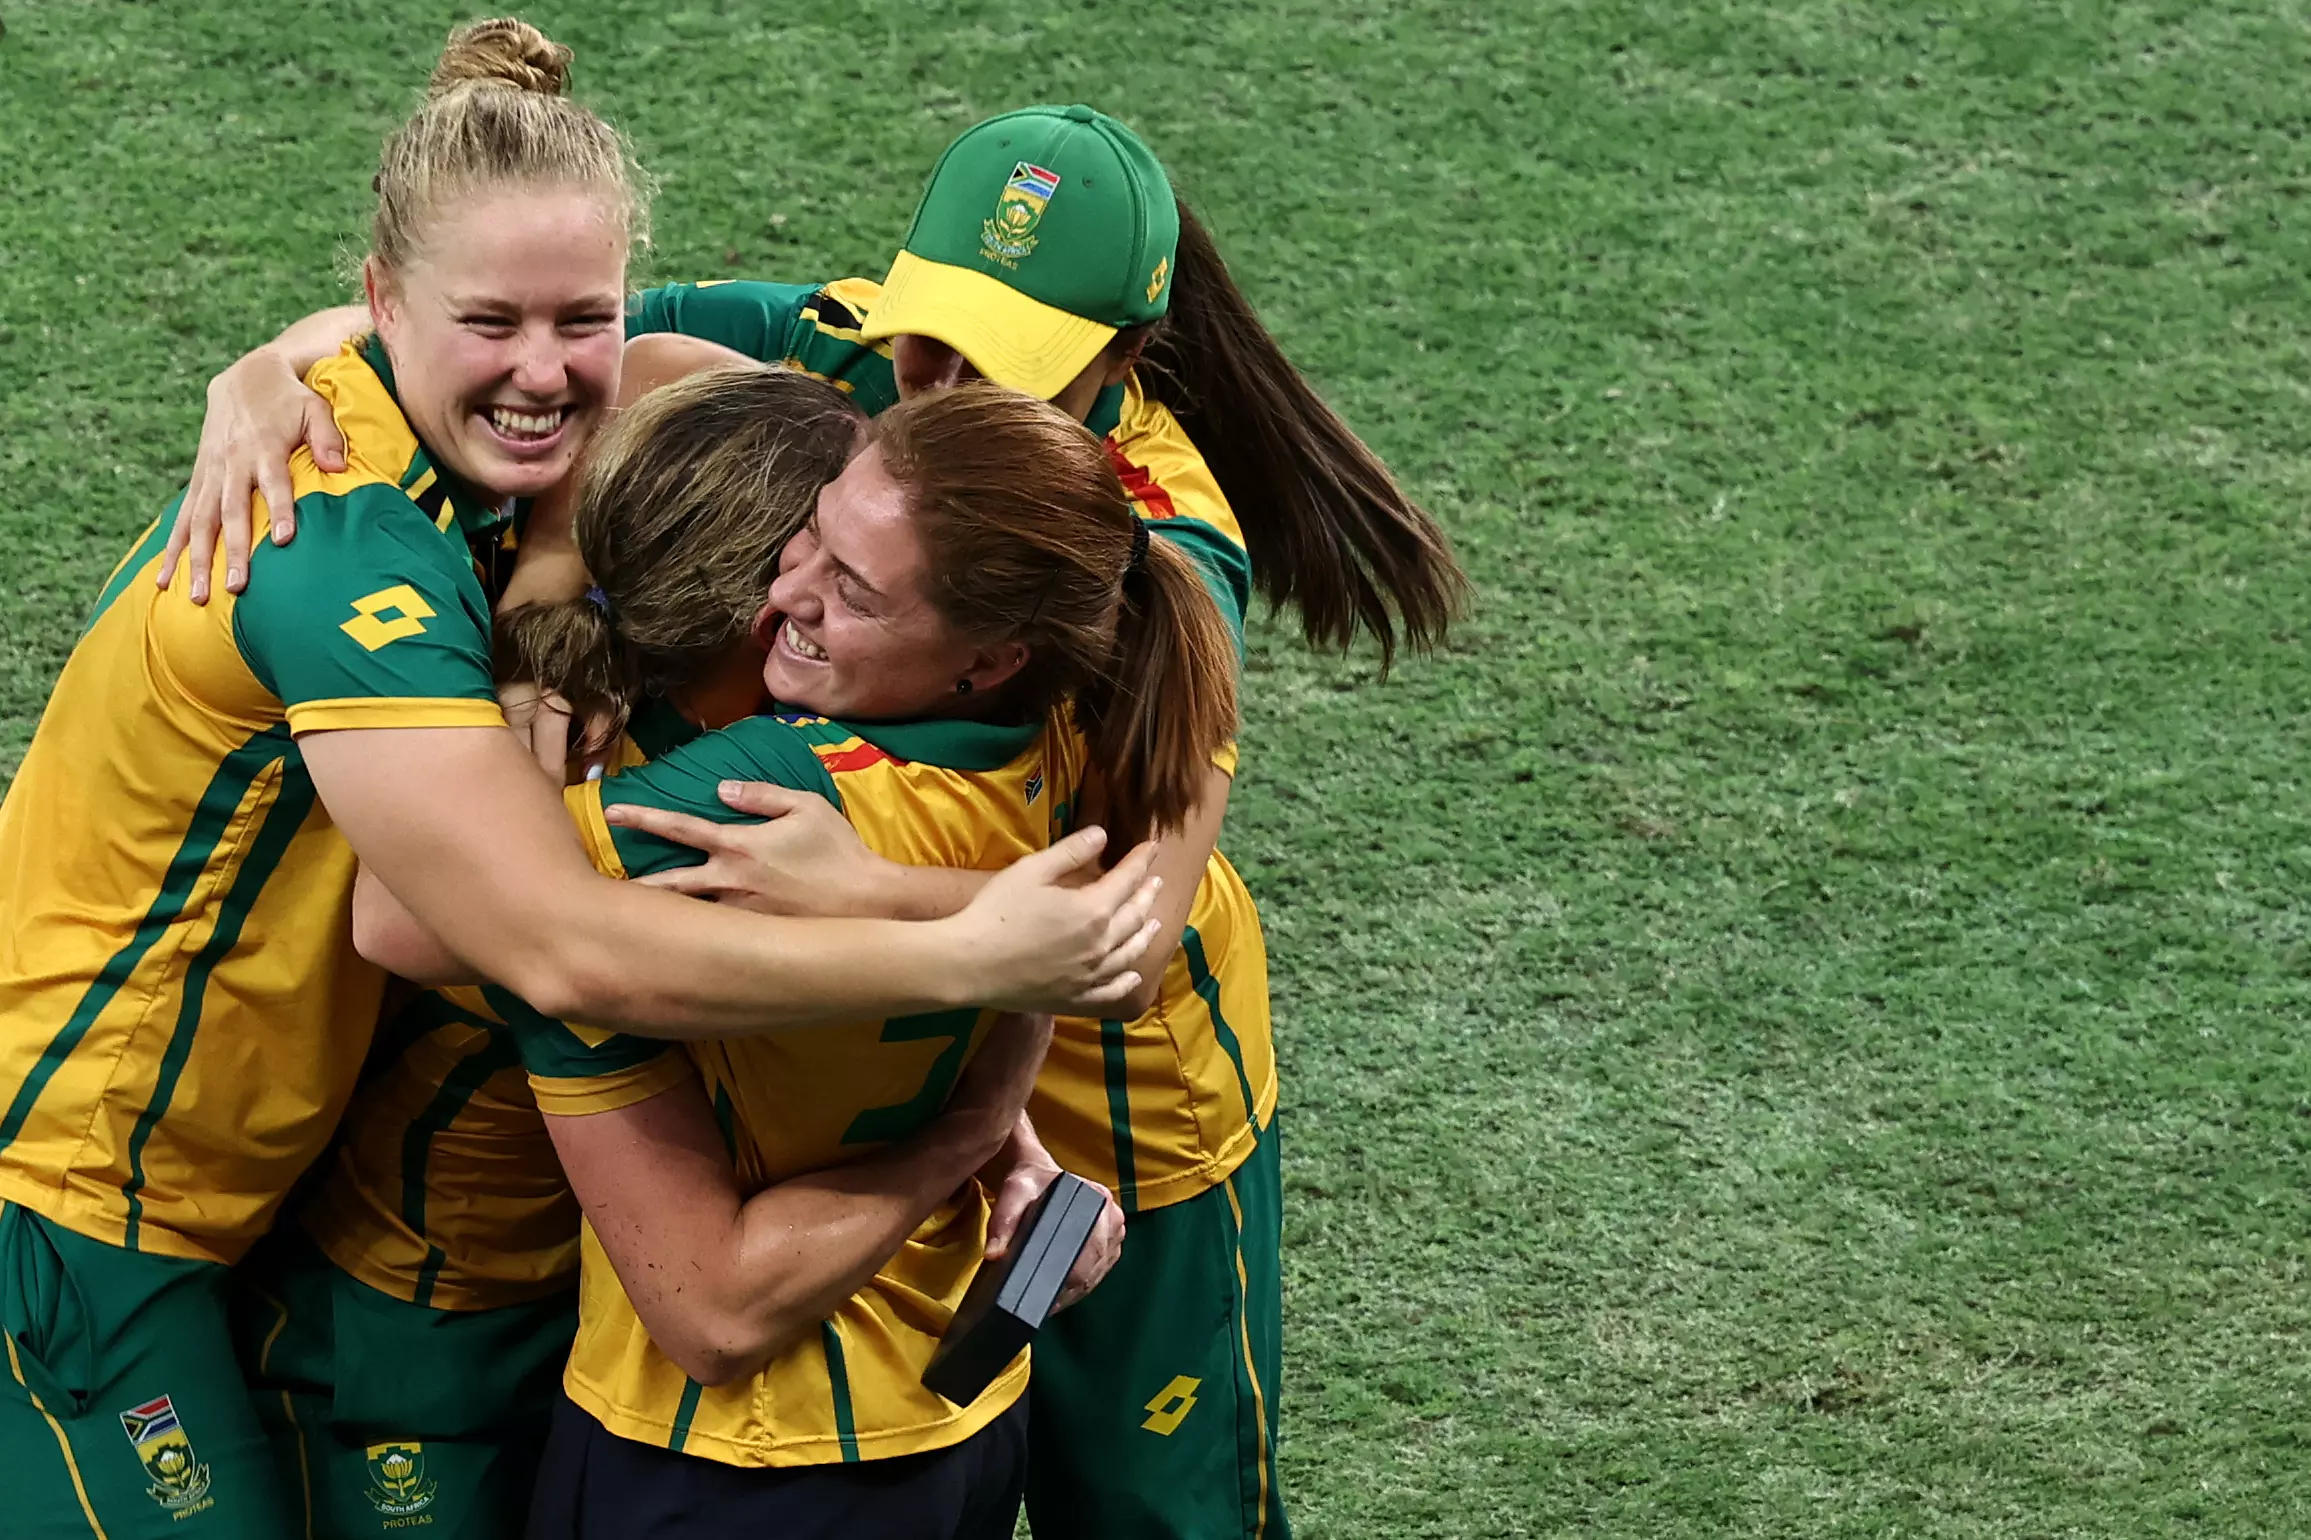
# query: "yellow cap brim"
{"type": "Point", "coordinates": [1008, 337]}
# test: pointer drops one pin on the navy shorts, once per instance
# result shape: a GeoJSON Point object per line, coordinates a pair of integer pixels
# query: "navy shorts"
{"type": "Point", "coordinates": [594, 1485]}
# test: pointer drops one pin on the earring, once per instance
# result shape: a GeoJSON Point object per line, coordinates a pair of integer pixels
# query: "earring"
{"type": "Point", "coordinates": [962, 687]}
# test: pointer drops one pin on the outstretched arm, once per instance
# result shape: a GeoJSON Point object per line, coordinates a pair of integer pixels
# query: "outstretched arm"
{"type": "Point", "coordinates": [804, 858]}
{"type": "Point", "coordinates": [459, 827]}
{"type": "Point", "coordinates": [259, 412]}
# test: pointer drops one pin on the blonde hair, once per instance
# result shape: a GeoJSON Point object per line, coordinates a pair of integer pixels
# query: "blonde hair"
{"type": "Point", "coordinates": [493, 116]}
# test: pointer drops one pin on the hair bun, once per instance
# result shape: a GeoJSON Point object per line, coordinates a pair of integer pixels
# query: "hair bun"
{"type": "Point", "coordinates": [502, 51]}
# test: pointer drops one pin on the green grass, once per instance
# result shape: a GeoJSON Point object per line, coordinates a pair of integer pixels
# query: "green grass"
{"type": "Point", "coordinates": [1792, 1024]}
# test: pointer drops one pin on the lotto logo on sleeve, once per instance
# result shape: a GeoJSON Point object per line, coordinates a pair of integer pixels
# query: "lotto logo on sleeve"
{"type": "Point", "coordinates": [180, 1482]}
{"type": "Point", "coordinates": [387, 615]}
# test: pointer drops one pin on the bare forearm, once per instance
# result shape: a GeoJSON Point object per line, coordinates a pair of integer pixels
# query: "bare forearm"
{"type": "Point", "coordinates": [1185, 852]}
{"type": "Point", "coordinates": [724, 1286]}
{"type": "Point", "coordinates": [304, 343]}
{"type": "Point", "coordinates": [385, 932]}
{"type": "Point", "coordinates": [548, 568]}
{"type": "Point", "coordinates": [806, 1245]}
{"type": "Point", "coordinates": [925, 892]}
{"type": "Point", "coordinates": [610, 954]}
{"type": "Point", "coordinates": [507, 889]}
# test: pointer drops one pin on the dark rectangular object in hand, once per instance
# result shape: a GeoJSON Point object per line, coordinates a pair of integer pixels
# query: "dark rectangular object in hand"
{"type": "Point", "coordinates": [1010, 1298]}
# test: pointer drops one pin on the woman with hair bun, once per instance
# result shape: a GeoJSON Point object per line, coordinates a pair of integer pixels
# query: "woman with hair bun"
{"type": "Point", "coordinates": [182, 1013]}
{"type": "Point", "coordinates": [1049, 254]}
{"type": "Point", "coordinates": [948, 655]}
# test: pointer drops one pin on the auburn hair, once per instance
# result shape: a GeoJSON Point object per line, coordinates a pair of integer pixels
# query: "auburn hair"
{"type": "Point", "coordinates": [1032, 538]}
{"type": "Point", "coordinates": [1329, 532]}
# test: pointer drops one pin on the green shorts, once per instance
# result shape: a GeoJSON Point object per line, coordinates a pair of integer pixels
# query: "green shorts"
{"type": "Point", "coordinates": [390, 1418]}
{"type": "Point", "coordinates": [1152, 1402]}
{"type": "Point", "coordinates": [122, 1411]}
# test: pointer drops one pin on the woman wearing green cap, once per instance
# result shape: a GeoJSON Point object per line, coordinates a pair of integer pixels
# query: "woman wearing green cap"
{"type": "Point", "coordinates": [1049, 254]}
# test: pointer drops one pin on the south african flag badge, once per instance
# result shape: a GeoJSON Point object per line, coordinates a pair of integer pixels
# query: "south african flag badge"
{"type": "Point", "coordinates": [180, 1482]}
{"type": "Point", "coordinates": [1019, 208]}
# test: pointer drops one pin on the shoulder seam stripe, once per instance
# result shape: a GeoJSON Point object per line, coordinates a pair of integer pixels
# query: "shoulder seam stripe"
{"type": "Point", "coordinates": [148, 545]}
{"type": "Point", "coordinates": [1114, 1060]}
{"type": "Point", "coordinates": [1208, 988]}
{"type": "Point", "coordinates": [839, 1384]}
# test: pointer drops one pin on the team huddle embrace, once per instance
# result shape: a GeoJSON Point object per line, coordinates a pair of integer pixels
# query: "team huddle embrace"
{"type": "Point", "coordinates": [583, 881]}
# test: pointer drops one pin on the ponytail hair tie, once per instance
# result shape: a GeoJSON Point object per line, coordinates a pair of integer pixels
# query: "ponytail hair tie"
{"type": "Point", "coordinates": [1138, 562]}
{"type": "Point", "coordinates": [599, 600]}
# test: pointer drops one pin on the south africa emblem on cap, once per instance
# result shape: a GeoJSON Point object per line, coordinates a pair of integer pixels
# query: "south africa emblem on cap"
{"type": "Point", "coordinates": [1010, 235]}
{"type": "Point", "coordinates": [180, 1482]}
{"type": "Point", "coordinates": [397, 1482]}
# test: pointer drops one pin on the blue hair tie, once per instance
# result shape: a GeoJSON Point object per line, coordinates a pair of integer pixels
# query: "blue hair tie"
{"type": "Point", "coordinates": [599, 600]}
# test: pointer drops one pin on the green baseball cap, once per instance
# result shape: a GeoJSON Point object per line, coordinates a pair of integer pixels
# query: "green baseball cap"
{"type": "Point", "coordinates": [1043, 232]}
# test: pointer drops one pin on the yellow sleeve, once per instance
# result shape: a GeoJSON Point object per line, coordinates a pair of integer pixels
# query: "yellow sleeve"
{"type": "Point", "coordinates": [575, 1096]}
{"type": "Point", "coordinates": [585, 804]}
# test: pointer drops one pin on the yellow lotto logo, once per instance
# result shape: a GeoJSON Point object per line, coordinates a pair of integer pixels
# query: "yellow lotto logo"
{"type": "Point", "coordinates": [1171, 1406]}
{"type": "Point", "coordinates": [387, 615]}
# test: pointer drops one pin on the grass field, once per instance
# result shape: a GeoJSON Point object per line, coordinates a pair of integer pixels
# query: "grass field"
{"type": "Point", "coordinates": [1792, 1024]}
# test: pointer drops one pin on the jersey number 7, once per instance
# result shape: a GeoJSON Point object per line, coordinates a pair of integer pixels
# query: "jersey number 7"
{"type": "Point", "coordinates": [884, 1124]}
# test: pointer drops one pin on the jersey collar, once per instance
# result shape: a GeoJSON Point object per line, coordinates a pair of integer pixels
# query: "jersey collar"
{"type": "Point", "coordinates": [949, 744]}
{"type": "Point", "coordinates": [1106, 412]}
{"type": "Point", "coordinates": [658, 729]}
{"type": "Point", "coordinates": [447, 498]}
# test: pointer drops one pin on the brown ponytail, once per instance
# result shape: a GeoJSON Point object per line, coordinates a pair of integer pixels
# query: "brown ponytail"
{"type": "Point", "coordinates": [1032, 538]}
{"type": "Point", "coordinates": [1329, 532]}
{"type": "Point", "coordinates": [682, 506]}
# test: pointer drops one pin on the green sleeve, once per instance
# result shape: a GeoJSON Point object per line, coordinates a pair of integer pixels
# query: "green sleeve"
{"type": "Point", "coordinates": [757, 319]}
{"type": "Point", "coordinates": [811, 327]}
{"type": "Point", "coordinates": [1226, 569]}
{"type": "Point", "coordinates": [555, 1050]}
{"type": "Point", "coordinates": [685, 781]}
{"type": "Point", "coordinates": [370, 603]}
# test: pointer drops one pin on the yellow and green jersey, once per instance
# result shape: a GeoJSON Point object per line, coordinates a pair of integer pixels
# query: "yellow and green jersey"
{"type": "Point", "coordinates": [1164, 1107]}
{"type": "Point", "coordinates": [182, 1014]}
{"type": "Point", "coordinates": [442, 1188]}
{"type": "Point", "coordinates": [956, 794]}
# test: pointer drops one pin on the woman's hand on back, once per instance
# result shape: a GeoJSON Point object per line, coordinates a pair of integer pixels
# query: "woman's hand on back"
{"type": "Point", "coordinates": [803, 858]}
{"type": "Point", "coordinates": [1035, 943]}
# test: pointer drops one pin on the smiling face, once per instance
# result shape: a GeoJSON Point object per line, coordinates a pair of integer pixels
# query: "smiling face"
{"type": "Point", "coordinates": [849, 628]}
{"type": "Point", "coordinates": [506, 332]}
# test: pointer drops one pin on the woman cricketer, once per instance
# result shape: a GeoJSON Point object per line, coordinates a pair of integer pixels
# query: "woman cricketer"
{"type": "Point", "coordinates": [1049, 254]}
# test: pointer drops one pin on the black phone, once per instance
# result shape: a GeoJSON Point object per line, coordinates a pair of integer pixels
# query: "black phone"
{"type": "Point", "coordinates": [1009, 1299]}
